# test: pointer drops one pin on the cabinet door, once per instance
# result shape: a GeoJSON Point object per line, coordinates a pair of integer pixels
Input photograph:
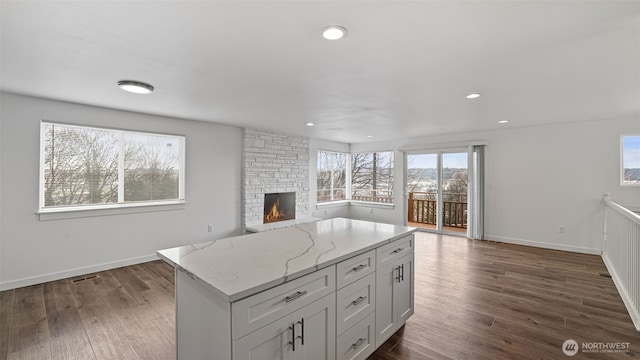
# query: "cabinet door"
{"type": "Point", "coordinates": [386, 278]}
{"type": "Point", "coordinates": [312, 328]}
{"type": "Point", "coordinates": [319, 333]}
{"type": "Point", "coordinates": [272, 342]}
{"type": "Point", "coordinates": [403, 290]}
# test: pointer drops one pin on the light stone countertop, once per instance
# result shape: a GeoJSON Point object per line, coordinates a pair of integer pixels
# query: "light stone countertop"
{"type": "Point", "coordinates": [241, 266]}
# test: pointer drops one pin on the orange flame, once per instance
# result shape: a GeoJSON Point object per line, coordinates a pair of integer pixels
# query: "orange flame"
{"type": "Point", "coordinates": [274, 213]}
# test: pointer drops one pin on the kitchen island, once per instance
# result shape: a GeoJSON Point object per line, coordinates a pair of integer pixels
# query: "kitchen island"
{"type": "Point", "coordinates": [335, 288]}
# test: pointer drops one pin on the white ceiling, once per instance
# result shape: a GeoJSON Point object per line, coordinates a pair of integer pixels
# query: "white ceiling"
{"type": "Point", "coordinates": [403, 70]}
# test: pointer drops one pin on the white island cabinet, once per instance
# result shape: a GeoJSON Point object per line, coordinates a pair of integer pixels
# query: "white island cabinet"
{"type": "Point", "coordinates": [323, 290]}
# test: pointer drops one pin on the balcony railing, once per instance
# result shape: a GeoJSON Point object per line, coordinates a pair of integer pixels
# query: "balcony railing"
{"type": "Point", "coordinates": [423, 209]}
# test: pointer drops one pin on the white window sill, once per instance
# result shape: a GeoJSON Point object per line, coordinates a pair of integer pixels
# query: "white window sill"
{"type": "Point", "coordinates": [330, 204]}
{"type": "Point", "coordinates": [355, 203]}
{"type": "Point", "coordinates": [373, 204]}
{"type": "Point", "coordinates": [116, 209]}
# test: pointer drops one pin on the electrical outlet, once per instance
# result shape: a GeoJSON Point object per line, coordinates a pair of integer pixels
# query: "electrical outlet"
{"type": "Point", "coordinates": [210, 228]}
{"type": "Point", "coordinates": [371, 211]}
{"type": "Point", "coordinates": [562, 229]}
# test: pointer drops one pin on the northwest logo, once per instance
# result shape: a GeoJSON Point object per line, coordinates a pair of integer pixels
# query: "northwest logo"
{"type": "Point", "coordinates": [570, 347]}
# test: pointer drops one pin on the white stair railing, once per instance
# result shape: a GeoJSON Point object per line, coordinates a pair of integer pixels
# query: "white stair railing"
{"type": "Point", "coordinates": [621, 254]}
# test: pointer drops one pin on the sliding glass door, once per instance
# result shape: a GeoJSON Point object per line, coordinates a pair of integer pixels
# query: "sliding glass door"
{"type": "Point", "coordinates": [438, 190]}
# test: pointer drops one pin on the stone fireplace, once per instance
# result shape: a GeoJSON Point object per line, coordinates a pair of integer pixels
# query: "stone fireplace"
{"type": "Point", "coordinates": [274, 164]}
{"type": "Point", "coordinates": [279, 207]}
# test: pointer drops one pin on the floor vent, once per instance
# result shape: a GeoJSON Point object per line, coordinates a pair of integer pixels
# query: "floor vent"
{"type": "Point", "coordinates": [84, 278]}
{"type": "Point", "coordinates": [607, 275]}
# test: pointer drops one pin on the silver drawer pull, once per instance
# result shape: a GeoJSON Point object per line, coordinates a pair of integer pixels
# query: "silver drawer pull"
{"type": "Point", "coordinates": [397, 250]}
{"type": "Point", "coordinates": [359, 267]}
{"type": "Point", "coordinates": [358, 300]}
{"type": "Point", "coordinates": [357, 343]}
{"type": "Point", "coordinates": [295, 296]}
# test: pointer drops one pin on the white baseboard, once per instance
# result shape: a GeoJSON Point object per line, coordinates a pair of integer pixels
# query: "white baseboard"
{"type": "Point", "coordinates": [13, 284]}
{"type": "Point", "coordinates": [544, 245]}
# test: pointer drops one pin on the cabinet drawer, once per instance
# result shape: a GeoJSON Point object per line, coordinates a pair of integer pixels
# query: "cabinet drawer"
{"type": "Point", "coordinates": [355, 268]}
{"type": "Point", "coordinates": [354, 302]}
{"type": "Point", "coordinates": [256, 311]}
{"type": "Point", "coordinates": [358, 342]}
{"type": "Point", "coordinates": [395, 250]}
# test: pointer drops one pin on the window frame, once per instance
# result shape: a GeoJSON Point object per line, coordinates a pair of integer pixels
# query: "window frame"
{"type": "Point", "coordinates": [347, 178]}
{"type": "Point", "coordinates": [622, 181]}
{"type": "Point", "coordinates": [83, 210]}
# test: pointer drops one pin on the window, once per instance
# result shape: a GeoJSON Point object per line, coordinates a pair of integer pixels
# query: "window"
{"type": "Point", "coordinates": [331, 176]}
{"type": "Point", "coordinates": [630, 169]}
{"type": "Point", "coordinates": [90, 168]}
{"type": "Point", "coordinates": [372, 177]}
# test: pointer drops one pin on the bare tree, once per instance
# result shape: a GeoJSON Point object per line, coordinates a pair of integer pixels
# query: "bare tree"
{"type": "Point", "coordinates": [457, 186]}
{"type": "Point", "coordinates": [151, 168]}
{"type": "Point", "coordinates": [372, 176]}
{"type": "Point", "coordinates": [332, 175]}
{"type": "Point", "coordinates": [415, 176]}
{"type": "Point", "coordinates": [81, 166]}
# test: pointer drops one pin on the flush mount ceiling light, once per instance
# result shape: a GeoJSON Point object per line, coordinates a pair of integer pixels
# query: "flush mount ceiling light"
{"type": "Point", "coordinates": [503, 121]}
{"type": "Point", "coordinates": [334, 32]}
{"type": "Point", "coordinates": [369, 136]}
{"type": "Point", "coordinates": [310, 124]}
{"type": "Point", "coordinates": [473, 96]}
{"type": "Point", "coordinates": [135, 87]}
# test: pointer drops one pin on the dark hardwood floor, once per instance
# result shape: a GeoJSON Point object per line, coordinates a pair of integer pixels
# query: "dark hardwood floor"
{"type": "Point", "coordinates": [473, 299]}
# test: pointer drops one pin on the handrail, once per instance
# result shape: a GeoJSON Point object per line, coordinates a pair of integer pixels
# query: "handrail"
{"type": "Point", "coordinates": [623, 210]}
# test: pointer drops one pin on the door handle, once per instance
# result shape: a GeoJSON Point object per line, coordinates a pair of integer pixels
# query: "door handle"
{"type": "Point", "coordinates": [293, 336]}
{"type": "Point", "coordinates": [301, 337]}
{"type": "Point", "coordinates": [402, 272]}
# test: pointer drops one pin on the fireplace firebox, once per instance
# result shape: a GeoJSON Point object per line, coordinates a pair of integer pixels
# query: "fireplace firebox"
{"type": "Point", "coordinates": [279, 207]}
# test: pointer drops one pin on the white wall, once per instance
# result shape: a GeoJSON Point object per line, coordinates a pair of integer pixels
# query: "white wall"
{"type": "Point", "coordinates": [33, 251]}
{"type": "Point", "coordinates": [538, 179]}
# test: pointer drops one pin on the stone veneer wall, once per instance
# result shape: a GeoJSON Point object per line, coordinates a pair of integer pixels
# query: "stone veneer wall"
{"type": "Point", "coordinates": [273, 163]}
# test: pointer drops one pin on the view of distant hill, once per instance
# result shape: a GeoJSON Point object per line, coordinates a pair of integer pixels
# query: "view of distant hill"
{"type": "Point", "coordinates": [430, 173]}
{"type": "Point", "coordinates": [634, 174]}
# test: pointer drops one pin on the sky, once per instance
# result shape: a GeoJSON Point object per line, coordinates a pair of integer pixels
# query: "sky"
{"type": "Point", "coordinates": [631, 152]}
{"type": "Point", "coordinates": [453, 160]}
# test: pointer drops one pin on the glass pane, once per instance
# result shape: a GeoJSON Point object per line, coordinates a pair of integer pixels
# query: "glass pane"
{"type": "Point", "coordinates": [372, 177]}
{"type": "Point", "coordinates": [422, 184]}
{"type": "Point", "coordinates": [331, 176]}
{"type": "Point", "coordinates": [80, 165]}
{"type": "Point", "coordinates": [455, 182]}
{"type": "Point", "coordinates": [631, 160]}
{"type": "Point", "coordinates": [152, 167]}
{"type": "Point", "coordinates": [339, 176]}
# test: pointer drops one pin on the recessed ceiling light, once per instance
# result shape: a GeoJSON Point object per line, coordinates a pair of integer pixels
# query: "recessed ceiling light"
{"type": "Point", "coordinates": [503, 121]}
{"type": "Point", "coordinates": [334, 32]}
{"type": "Point", "coordinates": [369, 136]}
{"type": "Point", "coordinates": [135, 87]}
{"type": "Point", "coordinates": [473, 96]}
{"type": "Point", "coordinates": [310, 124]}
